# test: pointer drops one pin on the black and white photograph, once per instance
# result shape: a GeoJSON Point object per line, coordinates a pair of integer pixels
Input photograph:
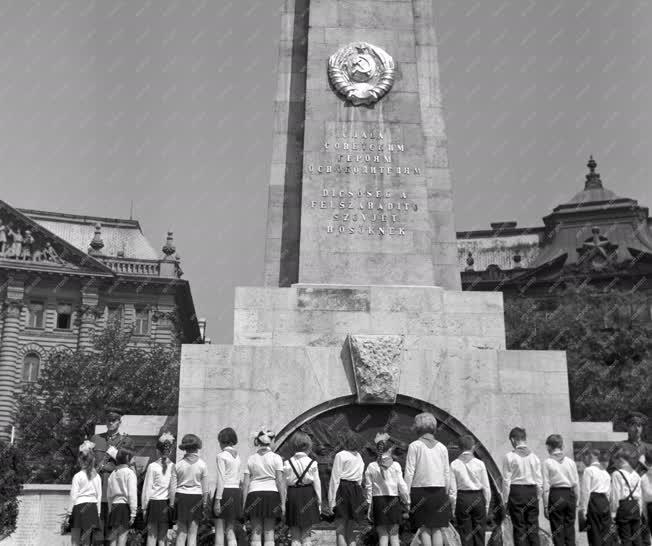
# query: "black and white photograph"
{"type": "Point", "coordinates": [325, 272]}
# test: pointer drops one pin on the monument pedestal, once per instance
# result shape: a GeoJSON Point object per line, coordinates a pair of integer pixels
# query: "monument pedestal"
{"type": "Point", "coordinates": [291, 361]}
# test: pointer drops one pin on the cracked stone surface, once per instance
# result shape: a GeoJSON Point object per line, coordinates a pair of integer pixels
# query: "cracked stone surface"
{"type": "Point", "coordinates": [376, 365]}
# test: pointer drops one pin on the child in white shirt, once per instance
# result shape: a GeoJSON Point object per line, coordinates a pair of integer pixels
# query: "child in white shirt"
{"type": "Point", "coordinates": [561, 484]}
{"type": "Point", "coordinates": [470, 483]}
{"type": "Point", "coordinates": [646, 491]}
{"type": "Point", "coordinates": [387, 493]}
{"type": "Point", "coordinates": [191, 497]}
{"type": "Point", "coordinates": [85, 497]}
{"type": "Point", "coordinates": [264, 489]}
{"type": "Point", "coordinates": [595, 491]}
{"type": "Point", "coordinates": [626, 500]}
{"type": "Point", "coordinates": [122, 498]}
{"type": "Point", "coordinates": [227, 501]}
{"type": "Point", "coordinates": [522, 488]}
{"type": "Point", "coordinates": [345, 494]}
{"type": "Point", "coordinates": [304, 490]}
{"type": "Point", "coordinates": [157, 497]}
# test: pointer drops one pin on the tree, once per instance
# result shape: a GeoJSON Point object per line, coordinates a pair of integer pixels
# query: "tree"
{"type": "Point", "coordinates": [608, 346]}
{"type": "Point", "coordinates": [13, 475]}
{"type": "Point", "coordinates": [55, 415]}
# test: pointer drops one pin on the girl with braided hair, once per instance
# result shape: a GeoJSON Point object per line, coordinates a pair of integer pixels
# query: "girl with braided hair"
{"type": "Point", "coordinates": [85, 497]}
{"type": "Point", "coordinates": [157, 497]}
{"type": "Point", "coordinates": [387, 493]}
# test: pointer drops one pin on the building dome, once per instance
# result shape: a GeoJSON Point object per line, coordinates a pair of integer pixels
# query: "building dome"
{"type": "Point", "coordinates": [593, 193]}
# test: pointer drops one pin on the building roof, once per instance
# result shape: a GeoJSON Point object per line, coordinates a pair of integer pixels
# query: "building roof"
{"type": "Point", "coordinates": [496, 248]}
{"type": "Point", "coordinates": [595, 232]}
{"type": "Point", "coordinates": [121, 237]}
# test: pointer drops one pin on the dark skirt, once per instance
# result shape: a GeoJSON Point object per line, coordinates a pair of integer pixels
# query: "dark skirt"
{"type": "Point", "coordinates": [158, 511]}
{"type": "Point", "coordinates": [189, 507]}
{"type": "Point", "coordinates": [230, 505]}
{"type": "Point", "coordinates": [430, 507]}
{"type": "Point", "coordinates": [386, 510]}
{"type": "Point", "coordinates": [119, 516]}
{"type": "Point", "coordinates": [302, 508]}
{"type": "Point", "coordinates": [350, 502]}
{"type": "Point", "coordinates": [84, 516]}
{"type": "Point", "coordinates": [263, 505]}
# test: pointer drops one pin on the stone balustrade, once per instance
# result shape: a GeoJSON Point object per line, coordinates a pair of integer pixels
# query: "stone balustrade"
{"type": "Point", "coordinates": [144, 268]}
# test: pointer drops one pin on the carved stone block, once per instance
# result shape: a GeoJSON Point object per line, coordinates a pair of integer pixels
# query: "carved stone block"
{"type": "Point", "coordinates": [376, 363]}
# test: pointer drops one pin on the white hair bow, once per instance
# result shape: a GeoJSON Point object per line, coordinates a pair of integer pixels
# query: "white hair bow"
{"type": "Point", "coordinates": [381, 437]}
{"type": "Point", "coordinates": [166, 437]}
{"type": "Point", "coordinates": [86, 446]}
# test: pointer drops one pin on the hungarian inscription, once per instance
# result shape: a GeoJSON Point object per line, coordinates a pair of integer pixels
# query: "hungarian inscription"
{"type": "Point", "coordinates": [357, 206]}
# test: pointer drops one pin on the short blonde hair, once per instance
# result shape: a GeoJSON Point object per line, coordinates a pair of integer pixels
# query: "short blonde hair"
{"type": "Point", "coordinates": [424, 423]}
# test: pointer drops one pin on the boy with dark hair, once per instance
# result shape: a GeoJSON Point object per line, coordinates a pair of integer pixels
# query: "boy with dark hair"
{"type": "Point", "coordinates": [594, 500]}
{"type": "Point", "coordinates": [522, 487]}
{"type": "Point", "coordinates": [473, 494]}
{"type": "Point", "coordinates": [560, 492]}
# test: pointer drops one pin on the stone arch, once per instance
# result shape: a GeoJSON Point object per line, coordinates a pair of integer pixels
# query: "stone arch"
{"type": "Point", "coordinates": [31, 358]}
{"type": "Point", "coordinates": [323, 416]}
{"type": "Point", "coordinates": [33, 348]}
{"type": "Point", "coordinates": [60, 349]}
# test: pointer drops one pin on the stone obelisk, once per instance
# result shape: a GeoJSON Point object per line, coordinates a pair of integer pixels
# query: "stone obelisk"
{"type": "Point", "coordinates": [360, 190]}
{"type": "Point", "coordinates": [362, 306]}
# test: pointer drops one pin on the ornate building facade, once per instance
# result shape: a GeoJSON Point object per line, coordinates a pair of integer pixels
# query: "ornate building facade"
{"type": "Point", "coordinates": [597, 236]}
{"type": "Point", "coordinates": [64, 276]}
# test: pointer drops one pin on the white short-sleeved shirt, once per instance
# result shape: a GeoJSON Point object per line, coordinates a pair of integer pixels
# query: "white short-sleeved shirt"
{"type": "Point", "coordinates": [347, 465]}
{"type": "Point", "coordinates": [262, 467]}
{"type": "Point", "coordinates": [228, 470]}
{"type": "Point", "coordinates": [158, 484]}
{"type": "Point", "coordinates": [386, 482]}
{"type": "Point", "coordinates": [427, 465]}
{"type": "Point", "coordinates": [301, 461]}
{"type": "Point", "coordinates": [646, 487]}
{"type": "Point", "coordinates": [192, 475]}
{"type": "Point", "coordinates": [594, 480]}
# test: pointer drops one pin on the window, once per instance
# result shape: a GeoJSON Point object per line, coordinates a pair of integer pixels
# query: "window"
{"type": "Point", "coordinates": [114, 314]}
{"type": "Point", "coordinates": [141, 325]}
{"type": "Point", "coordinates": [64, 316]}
{"type": "Point", "coordinates": [36, 309]}
{"type": "Point", "coordinates": [31, 365]}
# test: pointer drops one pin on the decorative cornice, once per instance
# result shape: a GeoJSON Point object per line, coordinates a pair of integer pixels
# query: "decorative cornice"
{"type": "Point", "coordinates": [158, 315]}
{"type": "Point", "coordinates": [12, 307]}
{"type": "Point", "coordinates": [95, 311]}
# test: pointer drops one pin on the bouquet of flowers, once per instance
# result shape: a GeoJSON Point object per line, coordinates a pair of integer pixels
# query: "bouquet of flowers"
{"type": "Point", "coordinates": [66, 527]}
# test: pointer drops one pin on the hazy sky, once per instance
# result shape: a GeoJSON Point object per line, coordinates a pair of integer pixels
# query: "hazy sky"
{"type": "Point", "coordinates": [168, 103]}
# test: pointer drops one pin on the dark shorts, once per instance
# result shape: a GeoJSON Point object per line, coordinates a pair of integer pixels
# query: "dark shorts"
{"type": "Point", "coordinates": [350, 502]}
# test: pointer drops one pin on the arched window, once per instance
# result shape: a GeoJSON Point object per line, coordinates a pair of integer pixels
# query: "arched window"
{"type": "Point", "coordinates": [31, 365]}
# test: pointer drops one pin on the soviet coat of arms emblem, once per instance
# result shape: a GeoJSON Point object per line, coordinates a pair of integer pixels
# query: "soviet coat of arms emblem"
{"type": "Point", "coordinates": [361, 73]}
